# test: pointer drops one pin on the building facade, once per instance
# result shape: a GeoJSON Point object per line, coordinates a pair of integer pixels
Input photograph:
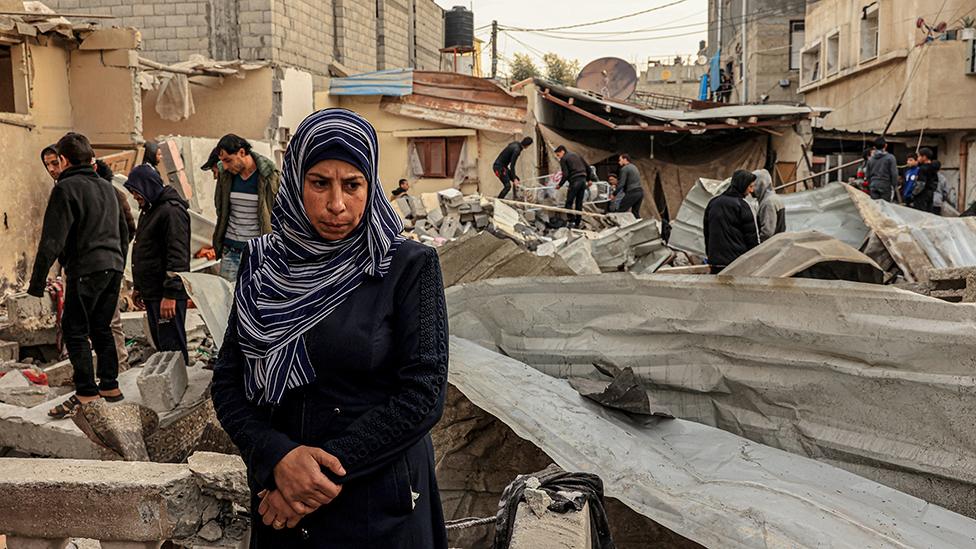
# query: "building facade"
{"type": "Point", "coordinates": [312, 35]}
{"type": "Point", "coordinates": [881, 73]}
{"type": "Point", "coordinates": [765, 37]}
{"type": "Point", "coordinates": [671, 78]}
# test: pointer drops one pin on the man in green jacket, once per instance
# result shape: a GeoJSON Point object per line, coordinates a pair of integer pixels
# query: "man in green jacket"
{"type": "Point", "coordinates": [246, 190]}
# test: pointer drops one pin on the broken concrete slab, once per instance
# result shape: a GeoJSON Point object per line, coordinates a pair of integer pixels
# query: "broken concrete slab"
{"type": "Point", "coordinates": [417, 208]}
{"type": "Point", "coordinates": [578, 256]}
{"type": "Point", "coordinates": [451, 198]}
{"type": "Point", "coordinates": [162, 381]}
{"type": "Point", "coordinates": [222, 476]}
{"type": "Point", "coordinates": [9, 351]}
{"type": "Point", "coordinates": [550, 530]}
{"type": "Point", "coordinates": [450, 226]}
{"type": "Point", "coordinates": [17, 390]}
{"type": "Point", "coordinates": [435, 216]}
{"type": "Point", "coordinates": [481, 256]}
{"type": "Point", "coordinates": [28, 311]}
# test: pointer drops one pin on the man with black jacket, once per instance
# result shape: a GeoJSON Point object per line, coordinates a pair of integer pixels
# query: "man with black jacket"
{"type": "Point", "coordinates": [577, 173]}
{"type": "Point", "coordinates": [504, 166]}
{"type": "Point", "coordinates": [927, 181]}
{"type": "Point", "coordinates": [629, 188]}
{"type": "Point", "coordinates": [84, 230]}
{"type": "Point", "coordinates": [729, 225]}
{"type": "Point", "coordinates": [161, 250]}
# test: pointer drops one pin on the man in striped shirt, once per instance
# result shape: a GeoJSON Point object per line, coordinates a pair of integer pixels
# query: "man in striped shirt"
{"type": "Point", "coordinates": [246, 191]}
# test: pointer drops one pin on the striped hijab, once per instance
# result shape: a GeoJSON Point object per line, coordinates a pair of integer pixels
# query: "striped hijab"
{"type": "Point", "coordinates": [293, 278]}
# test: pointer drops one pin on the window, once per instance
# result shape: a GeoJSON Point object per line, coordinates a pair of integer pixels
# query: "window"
{"type": "Point", "coordinates": [869, 32]}
{"type": "Point", "coordinates": [8, 101]}
{"type": "Point", "coordinates": [833, 52]}
{"type": "Point", "coordinates": [439, 155]}
{"type": "Point", "coordinates": [797, 33]}
{"type": "Point", "coordinates": [810, 64]}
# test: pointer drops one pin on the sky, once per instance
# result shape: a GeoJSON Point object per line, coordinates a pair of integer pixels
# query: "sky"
{"type": "Point", "coordinates": [655, 36]}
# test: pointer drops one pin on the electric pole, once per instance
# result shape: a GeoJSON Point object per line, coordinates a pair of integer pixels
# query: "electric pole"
{"type": "Point", "coordinates": [494, 49]}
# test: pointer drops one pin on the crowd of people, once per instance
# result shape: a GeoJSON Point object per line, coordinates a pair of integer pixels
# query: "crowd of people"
{"type": "Point", "coordinates": [920, 185]}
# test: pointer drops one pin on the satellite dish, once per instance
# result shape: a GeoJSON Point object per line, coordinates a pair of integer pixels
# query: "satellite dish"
{"type": "Point", "coordinates": [608, 76]}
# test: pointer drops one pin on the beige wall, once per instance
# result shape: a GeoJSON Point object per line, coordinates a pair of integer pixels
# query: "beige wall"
{"type": "Point", "coordinates": [483, 147]}
{"type": "Point", "coordinates": [223, 105]}
{"type": "Point", "coordinates": [86, 91]}
{"type": "Point", "coordinates": [863, 92]}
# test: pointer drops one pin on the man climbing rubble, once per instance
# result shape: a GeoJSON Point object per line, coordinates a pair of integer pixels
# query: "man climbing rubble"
{"type": "Point", "coordinates": [729, 226]}
{"type": "Point", "coordinates": [84, 230]}
{"type": "Point", "coordinates": [504, 166]}
{"type": "Point", "coordinates": [629, 188]}
{"type": "Point", "coordinates": [161, 249]}
{"type": "Point", "coordinates": [577, 174]}
{"type": "Point", "coordinates": [771, 214]}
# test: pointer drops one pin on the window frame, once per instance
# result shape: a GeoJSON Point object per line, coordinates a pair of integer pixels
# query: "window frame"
{"type": "Point", "coordinates": [799, 52]}
{"type": "Point", "coordinates": [869, 12]}
{"type": "Point", "coordinates": [449, 147]}
{"type": "Point", "coordinates": [833, 36]}
{"type": "Point", "coordinates": [807, 51]}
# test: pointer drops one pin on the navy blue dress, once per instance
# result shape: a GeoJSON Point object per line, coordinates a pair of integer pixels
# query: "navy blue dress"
{"type": "Point", "coordinates": [381, 366]}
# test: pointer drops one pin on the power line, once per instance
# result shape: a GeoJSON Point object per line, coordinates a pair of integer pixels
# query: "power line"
{"type": "Point", "coordinates": [612, 19]}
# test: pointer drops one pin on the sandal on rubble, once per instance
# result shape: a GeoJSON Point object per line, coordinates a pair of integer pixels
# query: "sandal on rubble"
{"type": "Point", "coordinates": [112, 398]}
{"type": "Point", "coordinates": [65, 409]}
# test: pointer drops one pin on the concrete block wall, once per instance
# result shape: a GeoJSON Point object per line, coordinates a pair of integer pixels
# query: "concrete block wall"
{"type": "Point", "coordinates": [355, 28]}
{"type": "Point", "coordinates": [428, 34]}
{"type": "Point", "coordinates": [392, 34]}
{"type": "Point", "coordinates": [303, 34]}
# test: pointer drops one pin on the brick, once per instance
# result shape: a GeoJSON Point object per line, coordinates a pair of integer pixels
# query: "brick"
{"type": "Point", "coordinates": [143, 9]}
{"type": "Point", "coordinates": [188, 8]}
{"type": "Point", "coordinates": [165, 32]}
{"type": "Point", "coordinates": [9, 351]}
{"type": "Point", "coordinates": [162, 381]}
{"type": "Point", "coordinates": [164, 8]}
{"type": "Point", "coordinates": [186, 32]}
{"type": "Point", "coordinates": [176, 21]}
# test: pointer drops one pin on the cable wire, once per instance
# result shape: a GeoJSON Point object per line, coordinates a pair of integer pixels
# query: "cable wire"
{"type": "Point", "coordinates": [612, 19]}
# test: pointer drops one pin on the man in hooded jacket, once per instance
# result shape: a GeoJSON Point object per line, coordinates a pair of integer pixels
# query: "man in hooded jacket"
{"type": "Point", "coordinates": [729, 225]}
{"type": "Point", "coordinates": [771, 215]}
{"type": "Point", "coordinates": [160, 251]}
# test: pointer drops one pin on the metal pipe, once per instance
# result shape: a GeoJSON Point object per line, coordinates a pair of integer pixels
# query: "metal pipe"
{"type": "Point", "coordinates": [811, 176]}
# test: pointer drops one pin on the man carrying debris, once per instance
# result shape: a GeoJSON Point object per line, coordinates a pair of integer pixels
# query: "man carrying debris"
{"type": "Point", "coordinates": [729, 226]}
{"type": "Point", "coordinates": [771, 215]}
{"type": "Point", "coordinates": [84, 230]}
{"type": "Point", "coordinates": [629, 187]}
{"type": "Point", "coordinates": [577, 173]}
{"type": "Point", "coordinates": [504, 166]}
{"type": "Point", "coordinates": [245, 194]}
{"type": "Point", "coordinates": [882, 172]}
{"type": "Point", "coordinates": [161, 249]}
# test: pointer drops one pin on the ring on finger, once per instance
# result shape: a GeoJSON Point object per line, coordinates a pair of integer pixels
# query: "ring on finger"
{"type": "Point", "coordinates": [278, 524]}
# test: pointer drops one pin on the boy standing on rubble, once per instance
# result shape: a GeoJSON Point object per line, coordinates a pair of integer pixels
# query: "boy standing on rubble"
{"type": "Point", "coordinates": [85, 231]}
{"type": "Point", "coordinates": [729, 225]}
{"type": "Point", "coordinates": [161, 250]}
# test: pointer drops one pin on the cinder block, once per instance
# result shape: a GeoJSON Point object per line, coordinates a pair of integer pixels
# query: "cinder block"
{"type": "Point", "coordinates": [9, 351]}
{"type": "Point", "coordinates": [163, 381]}
{"type": "Point", "coordinates": [25, 311]}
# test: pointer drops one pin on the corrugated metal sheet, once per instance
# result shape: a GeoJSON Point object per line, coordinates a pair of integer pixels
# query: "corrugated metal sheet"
{"type": "Point", "coordinates": [919, 241]}
{"type": "Point", "coordinates": [705, 484]}
{"type": "Point", "coordinates": [393, 83]}
{"type": "Point", "coordinates": [828, 210]}
{"type": "Point", "coordinates": [462, 101]}
{"type": "Point", "coordinates": [806, 254]}
{"type": "Point", "coordinates": [665, 115]}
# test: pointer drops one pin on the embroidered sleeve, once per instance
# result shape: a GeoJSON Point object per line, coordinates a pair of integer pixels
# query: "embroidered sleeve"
{"type": "Point", "coordinates": [381, 434]}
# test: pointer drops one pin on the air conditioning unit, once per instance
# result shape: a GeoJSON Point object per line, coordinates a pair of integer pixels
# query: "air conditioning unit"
{"type": "Point", "coordinates": [971, 57]}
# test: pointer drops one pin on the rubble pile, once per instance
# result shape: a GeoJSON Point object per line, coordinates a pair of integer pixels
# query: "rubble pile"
{"type": "Point", "coordinates": [604, 242]}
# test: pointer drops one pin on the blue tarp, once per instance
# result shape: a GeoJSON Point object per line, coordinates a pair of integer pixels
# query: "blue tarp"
{"type": "Point", "coordinates": [395, 83]}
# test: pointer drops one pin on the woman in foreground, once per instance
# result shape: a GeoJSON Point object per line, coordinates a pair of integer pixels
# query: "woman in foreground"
{"type": "Point", "coordinates": [334, 365]}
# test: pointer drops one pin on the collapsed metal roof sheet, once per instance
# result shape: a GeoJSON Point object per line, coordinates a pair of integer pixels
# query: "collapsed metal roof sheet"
{"type": "Point", "coordinates": [870, 378]}
{"type": "Point", "coordinates": [707, 485]}
{"type": "Point", "coordinates": [806, 254]}
{"type": "Point", "coordinates": [667, 115]}
{"type": "Point", "coordinates": [919, 241]}
{"type": "Point", "coordinates": [828, 210]}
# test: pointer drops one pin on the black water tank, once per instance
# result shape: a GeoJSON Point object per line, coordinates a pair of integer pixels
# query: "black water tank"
{"type": "Point", "coordinates": [459, 28]}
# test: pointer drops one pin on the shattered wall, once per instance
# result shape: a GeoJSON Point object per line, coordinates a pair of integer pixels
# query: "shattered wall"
{"type": "Point", "coordinates": [223, 105]}
{"type": "Point", "coordinates": [92, 92]}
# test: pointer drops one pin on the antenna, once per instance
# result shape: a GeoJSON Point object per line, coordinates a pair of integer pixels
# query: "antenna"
{"type": "Point", "coordinates": [610, 77]}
